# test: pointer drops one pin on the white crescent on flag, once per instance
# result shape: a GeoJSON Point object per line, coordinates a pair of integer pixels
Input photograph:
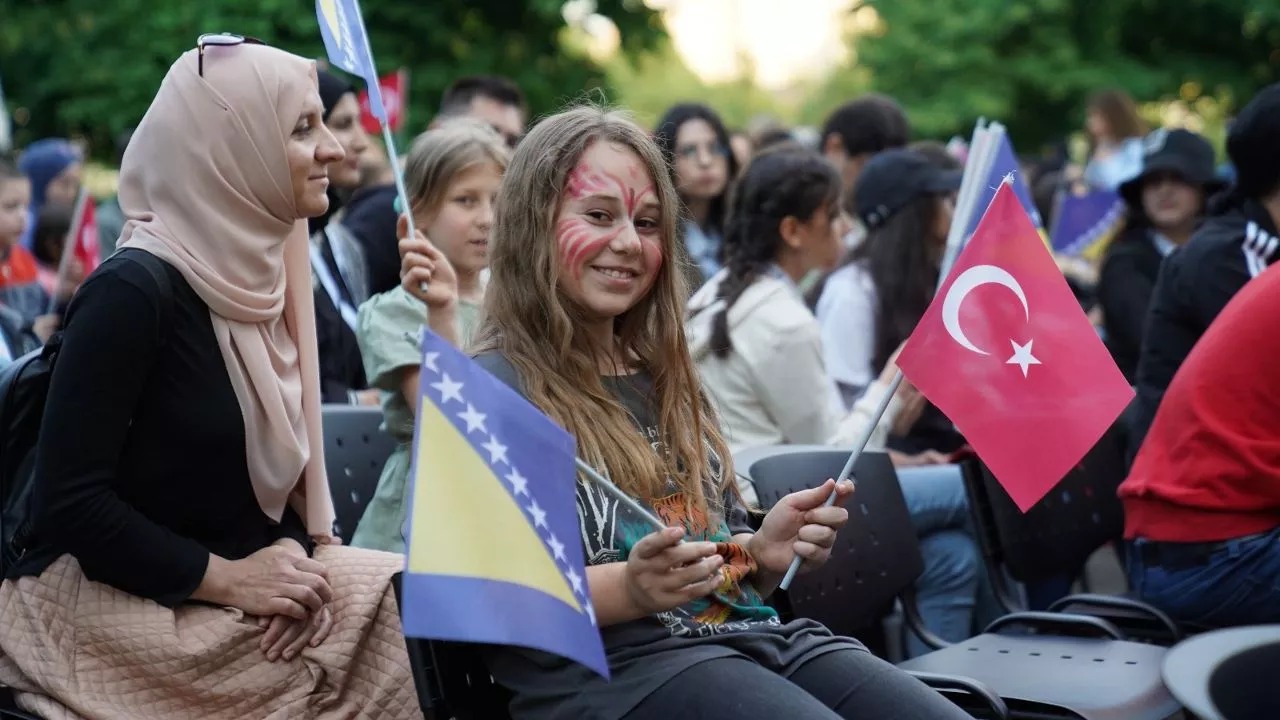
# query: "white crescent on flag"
{"type": "Point", "coordinates": [968, 281]}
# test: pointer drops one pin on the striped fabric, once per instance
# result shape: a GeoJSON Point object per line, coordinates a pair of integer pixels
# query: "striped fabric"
{"type": "Point", "coordinates": [1259, 248]}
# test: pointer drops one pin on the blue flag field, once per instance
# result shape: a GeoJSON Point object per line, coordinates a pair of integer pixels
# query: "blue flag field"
{"type": "Point", "coordinates": [494, 546]}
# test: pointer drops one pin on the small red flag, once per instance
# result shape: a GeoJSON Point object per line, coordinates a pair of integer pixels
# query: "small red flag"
{"type": "Point", "coordinates": [86, 248]}
{"type": "Point", "coordinates": [395, 87]}
{"type": "Point", "coordinates": [1007, 353]}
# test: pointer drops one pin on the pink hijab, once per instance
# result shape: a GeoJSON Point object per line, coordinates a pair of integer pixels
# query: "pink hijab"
{"type": "Point", "coordinates": [206, 187]}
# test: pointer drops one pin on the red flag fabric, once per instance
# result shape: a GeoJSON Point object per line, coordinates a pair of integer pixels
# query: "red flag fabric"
{"type": "Point", "coordinates": [394, 88]}
{"type": "Point", "coordinates": [86, 248]}
{"type": "Point", "coordinates": [1007, 353]}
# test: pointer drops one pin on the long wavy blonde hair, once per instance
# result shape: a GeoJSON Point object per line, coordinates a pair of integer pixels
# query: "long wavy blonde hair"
{"type": "Point", "coordinates": [532, 323]}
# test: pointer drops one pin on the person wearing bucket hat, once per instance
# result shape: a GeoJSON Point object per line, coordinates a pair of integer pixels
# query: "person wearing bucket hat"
{"type": "Point", "coordinates": [869, 305]}
{"type": "Point", "coordinates": [1235, 243]}
{"type": "Point", "coordinates": [1166, 202]}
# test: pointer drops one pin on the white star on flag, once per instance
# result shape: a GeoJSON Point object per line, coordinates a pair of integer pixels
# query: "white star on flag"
{"type": "Point", "coordinates": [429, 360]}
{"type": "Point", "coordinates": [575, 580]}
{"type": "Point", "coordinates": [557, 547]}
{"type": "Point", "coordinates": [1022, 356]}
{"type": "Point", "coordinates": [539, 515]}
{"type": "Point", "coordinates": [449, 389]}
{"type": "Point", "coordinates": [497, 451]}
{"type": "Point", "coordinates": [519, 484]}
{"type": "Point", "coordinates": [473, 419]}
{"type": "Point", "coordinates": [591, 612]}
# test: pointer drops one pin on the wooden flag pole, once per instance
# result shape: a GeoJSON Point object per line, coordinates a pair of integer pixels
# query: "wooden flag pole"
{"type": "Point", "coordinates": [981, 156]}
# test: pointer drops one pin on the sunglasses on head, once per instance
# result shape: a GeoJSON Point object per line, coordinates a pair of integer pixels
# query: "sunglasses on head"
{"type": "Point", "coordinates": [220, 40]}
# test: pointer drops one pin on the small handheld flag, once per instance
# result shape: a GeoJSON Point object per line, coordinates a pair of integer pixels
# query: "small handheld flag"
{"type": "Point", "coordinates": [1004, 165]}
{"type": "Point", "coordinates": [81, 244]}
{"type": "Point", "coordinates": [1086, 223]}
{"type": "Point", "coordinates": [495, 552]}
{"type": "Point", "coordinates": [1007, 353]}
{"type": "Point", "coordinates": [394, 90]}
{"type": "Point", "coordinates": [347, 45]}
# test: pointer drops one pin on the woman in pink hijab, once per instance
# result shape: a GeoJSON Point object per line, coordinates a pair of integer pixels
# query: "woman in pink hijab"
{"type": "Point", "coordinates": [178, 559]}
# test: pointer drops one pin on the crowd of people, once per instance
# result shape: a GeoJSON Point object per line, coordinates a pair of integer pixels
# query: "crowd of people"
{"type": "Point", "coordinates": [670, 296]}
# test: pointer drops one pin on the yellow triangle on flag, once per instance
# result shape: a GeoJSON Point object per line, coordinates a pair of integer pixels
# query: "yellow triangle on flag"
{"type": "Point", "coordinates": [466, 523]}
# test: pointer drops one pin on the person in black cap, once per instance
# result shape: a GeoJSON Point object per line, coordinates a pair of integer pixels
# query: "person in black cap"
{"type": "Point", "coordinates": [1235, 244]}
{"type": "Point", "coordinates": [870, 305]}
{"type": "Point", "coordinates": [1166, 202]}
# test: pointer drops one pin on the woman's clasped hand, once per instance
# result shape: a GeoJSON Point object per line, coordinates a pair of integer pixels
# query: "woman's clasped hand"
{"type": "Point", "coordinates": [287, 591]}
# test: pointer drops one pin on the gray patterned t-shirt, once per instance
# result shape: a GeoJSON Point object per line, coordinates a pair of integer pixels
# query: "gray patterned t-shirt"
{"type": "Point", "coordinates": [643, 654]}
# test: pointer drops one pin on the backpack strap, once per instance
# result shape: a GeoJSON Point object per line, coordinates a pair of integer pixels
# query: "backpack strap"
{"type": "Point", "coordinates": [160, 273]}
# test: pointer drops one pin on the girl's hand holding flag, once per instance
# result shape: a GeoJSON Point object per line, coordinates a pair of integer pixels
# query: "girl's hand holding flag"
{"type": "Point", "coordinates": [800, 525]}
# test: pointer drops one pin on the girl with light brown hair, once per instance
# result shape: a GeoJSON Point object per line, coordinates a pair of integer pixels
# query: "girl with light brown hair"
{"type": "Point", "coordinates": [452, 177]}
{"type": "Point", "coordinates": [584, 316]}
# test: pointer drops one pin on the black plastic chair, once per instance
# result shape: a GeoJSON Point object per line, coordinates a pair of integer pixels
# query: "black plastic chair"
{"type": "Point", "coordinates": [355, 451]}
{"type": "Point", "coordinates": [1042, 665]}
{"type": "Point", "coordinates": [1059, 533]}
{"type": "Point", "coordinates": [452, 680]}
{"type": "Point", "coordinates": [876, 558]}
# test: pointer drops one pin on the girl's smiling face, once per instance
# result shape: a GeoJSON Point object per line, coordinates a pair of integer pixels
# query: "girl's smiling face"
{"type": "Point", "coordinates": [608, 230]}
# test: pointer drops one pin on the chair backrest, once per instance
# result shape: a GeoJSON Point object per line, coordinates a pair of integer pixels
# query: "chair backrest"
{"type": "Point", "coordinates": [452, 680]}
{"type": "Point", "coordinates": [355, 451]}
{"type": "Point", "coordinates": [876, 555]}
{"type": "Point", "coordinates": [1243, 687]}
{"type": "Point", "coordinates": [1059, 533]}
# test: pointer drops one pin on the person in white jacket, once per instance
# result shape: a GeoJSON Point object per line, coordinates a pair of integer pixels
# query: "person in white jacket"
{"type": "Point", "coordinates": [758, 349]}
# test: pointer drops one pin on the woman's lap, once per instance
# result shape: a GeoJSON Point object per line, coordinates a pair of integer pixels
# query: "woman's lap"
{"type": "Point", "coordinates": [838, 685]}
{"type": "Point", "coordinates": [71, 647]}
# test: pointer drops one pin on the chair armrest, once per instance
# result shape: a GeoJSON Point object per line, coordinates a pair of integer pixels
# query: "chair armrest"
{"type": "Point", "coordinates": [1049, 621]}
{"type": "Point", "coordinates": [915, 623]}
{"type": "Point", "coordinates": [1084, 602]}
{"type": "Point", "coordinates": [969, 686]}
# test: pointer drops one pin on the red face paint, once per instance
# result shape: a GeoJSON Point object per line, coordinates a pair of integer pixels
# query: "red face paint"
{"type": "Point", "coordinates": [580, 241]}
{"type": "Point", "coordinates": [587, 227]}
{"type": "Point", "coordinates": [585, 182]}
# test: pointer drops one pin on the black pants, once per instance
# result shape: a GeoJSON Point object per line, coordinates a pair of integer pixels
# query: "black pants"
{"type": "Point", "coordinates": [843, 684]}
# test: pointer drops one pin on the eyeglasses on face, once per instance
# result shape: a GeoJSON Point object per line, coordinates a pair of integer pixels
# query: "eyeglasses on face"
{"type": "Point", "coordinates": [220, 40]}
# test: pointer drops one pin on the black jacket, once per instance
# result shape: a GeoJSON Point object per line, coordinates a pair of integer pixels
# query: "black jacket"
{"type": "Point", "coordinates": [1195, 283]}
{"type": "Point", "coordinates": [371, 218]}
{"type": "Point", "coordinates": [1125, 285]}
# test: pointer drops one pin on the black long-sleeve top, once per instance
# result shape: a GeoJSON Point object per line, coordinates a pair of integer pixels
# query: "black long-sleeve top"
{"type": "Point", "coordinates": [1125, 286]}
{"type": "Point", "coordinates": [141, 467]}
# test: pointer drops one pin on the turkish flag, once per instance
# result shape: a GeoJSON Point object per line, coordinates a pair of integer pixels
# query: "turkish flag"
{"type": "Point", "coordinates": [1007, 353]}
{"type": "Point", "coordinates": [87, 248]}
{"type": "Point", "coordinates": [394, 88]}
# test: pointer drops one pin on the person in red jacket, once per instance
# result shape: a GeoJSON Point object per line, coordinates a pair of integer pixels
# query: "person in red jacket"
{"type": "Point", "coordinates": [1202, 502]}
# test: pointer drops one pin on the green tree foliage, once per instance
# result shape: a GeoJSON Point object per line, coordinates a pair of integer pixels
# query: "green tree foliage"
{"type": "Point", "coordinates": [1032, 64]}
{"type": "Point", "coordinates": [91, 67]}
